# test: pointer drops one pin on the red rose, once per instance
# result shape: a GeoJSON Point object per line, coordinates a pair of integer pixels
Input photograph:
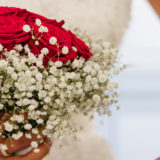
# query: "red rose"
{"type": "Point", "coordinates": [12, 21]}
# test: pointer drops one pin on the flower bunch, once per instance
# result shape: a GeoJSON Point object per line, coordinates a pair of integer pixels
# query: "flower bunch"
{"type": "Point", "coordinates": [40, 97]}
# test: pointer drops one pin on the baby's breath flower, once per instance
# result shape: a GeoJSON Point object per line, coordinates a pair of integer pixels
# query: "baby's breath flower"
{"type": "Point", "coordinates": [96, 98]}
{"type": "Point", "coordinates": [36, 43]}
{"type": "Point", "coordinates": [10, 70]}
{"type": "Point", "coordinates": [47, 100]}
{"type": "Point", "coordinates": [38, 22]}
{"type": "Point", "coordinates": [17, 136]}
{"type": "Point", "coordinates": [65, 50]}
{"type": "Point", "coordinates": [18, 47]}
{"type": "Point", "coordinates": [26, 28]}
{"type": "Point", "coordinates": [3, 147]}
{"type": "Point", "coordinates": [32, 107]}
{"type": "Point", "coordinates": [39, 76]}
{"type": "Point", "coordinates": [102, 78]}
{"type": "Point", "coordinates": [45, 51]}
{"type": "Point", "coordinates": [1, 47]}
{"type": "Point", "coordinates": [87, 69]}
{"type": "Point", "coordinates": [40, 121]}
{"type": "Point", "coordinates": [29, 94]}
{"type": "Point", "coordinates": [35, 131]}
{"type": "Point", "coordinates": [34, 144]}
{"type": "Point", "coordinates": [14, 76]}
{"type": "Point", "coordinates": [36, 150]}
{"type": "Point", "coordinates": [28, 135]}
{"type": "Point", "coordinates": [58, 64]}
{"type": "Point", "coordinates": [53, 40]}
{"type": "Point", "coordinates": [74, 48]}
{"type": "Point", "coordinates": [28, 126]}
{"type": "Point", "coordinates": [1, 106]}
{"type": "Point", "coordinates": [45, 97]}
{"type": "Point", "coordinates": [8, 126]}
{"type": "Point", "coordinates": [49, 127]}
{"type": "Point", "coordinates": [76, 63]}
{"type": "Point", "coordinates": [43, 29]}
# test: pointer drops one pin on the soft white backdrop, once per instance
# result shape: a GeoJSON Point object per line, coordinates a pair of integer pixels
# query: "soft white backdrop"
{"type": "Point", "coordinates": [134, 131]}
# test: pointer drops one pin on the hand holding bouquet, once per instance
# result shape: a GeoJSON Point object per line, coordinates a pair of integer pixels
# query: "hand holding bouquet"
{"type": "Point", "coordinates": [46, 74]}
{"type": "Point", "coordinates": [15, 146]}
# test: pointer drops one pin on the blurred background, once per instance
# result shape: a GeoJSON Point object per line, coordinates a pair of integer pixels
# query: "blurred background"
{"type": "Point", "coordinates": [133, 132]}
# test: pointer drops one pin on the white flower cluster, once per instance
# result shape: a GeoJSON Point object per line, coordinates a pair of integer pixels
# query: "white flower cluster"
{"type": "Point", "coordinates": [42, 29]}
{"type": "Point", "coordinates": [42, 99]}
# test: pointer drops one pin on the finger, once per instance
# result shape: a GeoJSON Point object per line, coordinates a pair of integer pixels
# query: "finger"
{"type": "Point", "coordinates": [4, 118]}
{"type": "Point", "coordinates": [18, 145]}
{"type": "Point", "coordinates": [15, 145]}
{"type": "Point", "coordinates": [44, 150]}
{"type": "Point", "coordinates": [2, 128]}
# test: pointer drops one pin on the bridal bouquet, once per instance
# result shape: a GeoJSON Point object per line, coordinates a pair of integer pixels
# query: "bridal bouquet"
{"type": "Point", "coordinates": [47, 73]}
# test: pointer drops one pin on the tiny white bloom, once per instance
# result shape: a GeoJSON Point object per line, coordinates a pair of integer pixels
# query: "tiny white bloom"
{"type": "Point", "coordinates": [79, 84]}
{"type": "Point", "coordinates": [74, 48]}
{"type": "Point", "coordinates": [65, 50]}
{"type": "Point", "coordinates": [40, 121]}
{"type": "Point", "coordinates": [45, 29]}
{"type": "Point", "coordinates": [45, 51]}
{"type": "Point", "coordinates": [26, 28]}
{"type": "Point", "coordinates": [29, 94]}
{"type": "Point", "coordinates": [41, 29]}
{"type": "Point", "coordinates": [88, 79]}
{"type": "Point", "coordinates": [76, 63]}
{"type": "Point", "coordinates": [1, 106]}
{"type": "Point", "coordinates": [53, 40]}
{"type": "Point", "coordinates": [36, 43]}
{"type": "Point", "coordinates": [28, 73]}
{"type": "Point", "coordinates": [27, 126]}
{"type": "Point", "coordinates": [10, 70]}
{"type": "Point", "coordinates": [111, 87]}
{"type": "Point", "coordinates": [102, 78]}
{"type": "Point", "coordinates": [19, 118]}
{"type": "Point", "coordinates": [116, 72]}
{"type": "Point", "coordinates": [18, 47]}
{"type": "Point", "coordinates": [33, 37]}
{"type": "Point", "coordinates": [87, 69]}
{"type": "Point", "coordinates": [17, 136]}
{"type": "Point", "coordinates": [1, 47]}
{"type": "Point", "coordinates": [32, 107]}
{"type": "Point", "coordinates": [72, 107]}
{"type": "Point", "coordinates": [42, 94]}
{"type": "Point", "coordinates": [38, 22]}
{"type": "Point", "coordinates": [3, 147]}
{"type": "Point", "coordinates": [47, 99]}
{"type": "Point", "coordinates": [28, 135]}
{"type": "Point", "coordinates": [58, 64]}
{"type": "Point", "coordinates": [49, 127]}
{"type": "Point", "coordinates": [14, 76]}
{"type": "Point", "coordinates": [39, 76]}
{"type": "Point", "coordinates": [34, 144]}
{"type": "Point", "coordinates": [96, 98]}
{"type": "Point", "coordinates": [35, 131]}
{"type": "Point", "coordinates": [8, 126]}
{"type": "Point", "coordinates": [51, 94]}
{"type": "Point", "coordinates": [36, 150]}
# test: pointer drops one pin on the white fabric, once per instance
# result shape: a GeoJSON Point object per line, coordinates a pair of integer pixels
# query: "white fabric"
{"type": "Point", "coordinates": [103, 18]}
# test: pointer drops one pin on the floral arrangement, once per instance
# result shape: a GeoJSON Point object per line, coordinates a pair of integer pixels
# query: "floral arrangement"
{"type": "Point", "coordinates": [47, 73]}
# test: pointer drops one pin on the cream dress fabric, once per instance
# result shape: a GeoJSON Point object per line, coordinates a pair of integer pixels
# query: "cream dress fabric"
{"type": "Point", "coordinates": [103, 18]}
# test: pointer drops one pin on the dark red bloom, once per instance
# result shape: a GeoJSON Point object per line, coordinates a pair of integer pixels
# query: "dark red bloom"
{"type": "Point", "coordinates": [12, 21]}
